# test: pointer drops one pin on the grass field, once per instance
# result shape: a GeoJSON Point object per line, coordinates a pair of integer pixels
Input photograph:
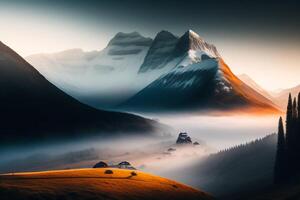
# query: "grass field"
{"type": "Point", "coordinates": [93, 184]}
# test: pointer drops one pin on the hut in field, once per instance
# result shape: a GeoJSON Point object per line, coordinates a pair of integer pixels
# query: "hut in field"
{"type": "Point", "coordinates": [101, 164]}
{"type": "Point", "coordinates": [125, 165]}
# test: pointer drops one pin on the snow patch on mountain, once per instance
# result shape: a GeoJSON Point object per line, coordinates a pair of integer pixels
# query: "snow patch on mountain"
{"type": "Point", "coordinates": [189, 64]}
{"type": "Point", "coordinates": [188, 75]}
{"type": "Point", "coordinates": [104, 76]}
{"type": "Point", "coordinates": [184, 51]}
{"type": "Point", "coordinates": [181, 71]}
{"type": "Point", "coordinates": [192, 41]}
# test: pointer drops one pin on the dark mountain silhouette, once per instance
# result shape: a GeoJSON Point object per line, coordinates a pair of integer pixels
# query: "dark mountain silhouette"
{"type": "Point", "coordinates": [32, 108]}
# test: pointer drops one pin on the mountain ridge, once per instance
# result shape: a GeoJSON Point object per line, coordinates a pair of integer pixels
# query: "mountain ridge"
{"type": "Point", "coordinates": [163, 44]}
{"type": "Point", "coordinates": [33, 108]}
{"type": "Point", "coordinates": [249, 81]}
{"type": "Point", "coordinates": [168, 56]}
{"type": "Point", "coordinates": [198, 79]}
{"type": "Point", "coordinates": [192, 41]}
{"type": "Point", "coordinates": [88, 76]}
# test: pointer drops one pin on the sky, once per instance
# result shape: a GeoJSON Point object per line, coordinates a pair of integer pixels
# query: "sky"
{"type": "Point", "coordinates": [259, 38]}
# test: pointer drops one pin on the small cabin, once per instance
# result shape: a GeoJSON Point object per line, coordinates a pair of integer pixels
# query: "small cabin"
{"type": "Point", "coordinates": [101, 164]}
{"type": "Point", "coordinates": [171, 149]}
{"type": "Point", "coordinates": [125, 165]}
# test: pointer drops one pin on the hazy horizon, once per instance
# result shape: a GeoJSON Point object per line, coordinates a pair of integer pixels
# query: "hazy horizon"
{"type": "Point", "coordinates": [256, 38]}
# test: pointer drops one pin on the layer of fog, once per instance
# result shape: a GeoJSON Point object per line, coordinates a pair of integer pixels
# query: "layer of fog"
{"type": "Point", "coordinates": [149, 154]}
{"type": "Point", "coordinates": [96, 78]}
{"type": "Point", "coordinates": [154, 155]}
{"type": "Point", "coordinates": [221, 132]}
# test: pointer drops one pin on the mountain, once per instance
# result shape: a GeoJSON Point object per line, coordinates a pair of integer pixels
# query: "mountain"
{"type": "Point", "coordinates": [125, 52]}
{"type": "Point", "coordinates": [197, 79]}
{"type": "Point", "coordinates": [158, 55]}
{"type": "Point", "coordinates": [250, 82]}
{"type": "Point", "coordinates": [89, 76]}
{"type": "Point", "coordinates": [280, 97]}
{"type": "Point", "coordinates": [34, 109]}
{"type": "Point", "coordinates": [168, 50]}
{"type": "Point", "coordinates": [132, 71]}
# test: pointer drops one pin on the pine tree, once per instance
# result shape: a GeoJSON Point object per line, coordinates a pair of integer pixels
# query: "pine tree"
{"type": "Point", "coordinates": [290, 140]}
{"type": "Point", "coordinates": [280, 162]}
{"type": "Point", "coordinates": [294, 142]}
{"type": "Point", "coordinates": [288, 148]}
{"type": "Point", "coordinates": [298, 126]}
{"type": "Point", "coordinates": [289, 125]}
{"type": "Point", "coordinates": [297, 135]}
{"type": "Point", "coordinates": [295, 111]}
{"type": "Point", "coordinates": [299, 108]}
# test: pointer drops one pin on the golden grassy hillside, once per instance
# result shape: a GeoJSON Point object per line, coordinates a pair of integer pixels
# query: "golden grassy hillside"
{"type": "Point", "coordinates": [93, 184]}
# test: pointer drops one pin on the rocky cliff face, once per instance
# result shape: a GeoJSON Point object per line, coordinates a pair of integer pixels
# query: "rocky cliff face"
{"type": "Point", "coordinates": [196, 78]}
{"type": "Point", "coordinates": [183, 138]}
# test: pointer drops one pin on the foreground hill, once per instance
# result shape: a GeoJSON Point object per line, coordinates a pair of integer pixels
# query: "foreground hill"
{"type": "Point", "coordinates": [33, 109]}
{"type": "Point", "coordinates": [93, 184]}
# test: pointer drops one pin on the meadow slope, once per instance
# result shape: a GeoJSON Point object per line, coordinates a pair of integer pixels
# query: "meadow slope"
{"type": "Point", "coordinates": [94, 184]}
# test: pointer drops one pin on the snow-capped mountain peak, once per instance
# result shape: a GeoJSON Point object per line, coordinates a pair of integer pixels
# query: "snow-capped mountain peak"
{"type": "Point", "coordinates": [183, 72]}
{"type": "Point", "coordinates": [161, 49]}
{"type": "Point", "coordinates": [88, 75]}
{"type": "Point", "coordinates": [128, 39]}
{"type": "Point", "coordinates": [193, 34]}
{"type": "Point", "coordinates": [192, 41]}
{"type": "Point", "coordinates": [168, 51]}
{"type": "Point", "coordinates": [194, 76]}
{"type": "Point", "coordinates": [165, 35]}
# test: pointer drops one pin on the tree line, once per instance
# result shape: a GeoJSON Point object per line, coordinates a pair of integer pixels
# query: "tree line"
{"type": "Point", "coordinates": [287, 163]}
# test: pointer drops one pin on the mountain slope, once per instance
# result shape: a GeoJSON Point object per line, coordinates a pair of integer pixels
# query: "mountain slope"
{"type": "Point", "coordinates": [159, 52]}
{"type": "Point", "coordinates": [88, 75]}
{"type": "Point", "coordinates": [250, 82]}
{"type": "Point", "coordinates": [94, 184]}
{"type": "Point", "coordinates": [132, 71]}
{"type": "Point", "coordinates": [281, 97]}
{"type": "Point", "coordinates": [278, 97]}
{"type": "Point", "coordinates": [234, 172]}
{"type": "Point", "coordinates": [198, 79]}
{"type": "Point", "coordinates": [33, 108]}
